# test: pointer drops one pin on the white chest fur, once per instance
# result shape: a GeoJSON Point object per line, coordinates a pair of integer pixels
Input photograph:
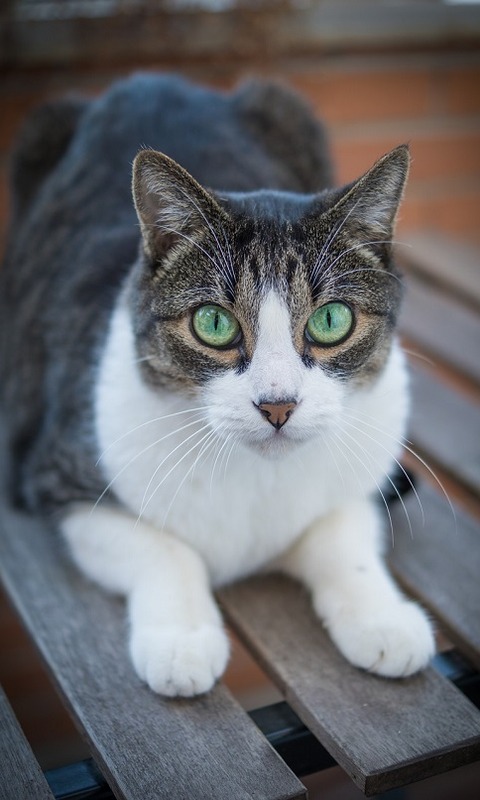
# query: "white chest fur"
{"type": "Point", "coordinates": [236, 507]}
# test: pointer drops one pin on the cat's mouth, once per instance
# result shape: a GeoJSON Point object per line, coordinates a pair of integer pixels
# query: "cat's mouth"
{"type": "Point", "coordinates": [275, 444]}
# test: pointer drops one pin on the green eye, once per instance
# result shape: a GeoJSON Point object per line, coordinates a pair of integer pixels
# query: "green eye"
{"type": "Point", "coordinates": [215, 326]}
{"type": "Point", "coordinates": [330, 324]}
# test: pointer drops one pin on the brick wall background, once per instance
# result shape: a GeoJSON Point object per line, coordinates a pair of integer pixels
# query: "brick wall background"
{"type": "Point", "coordinates": [371, 101]}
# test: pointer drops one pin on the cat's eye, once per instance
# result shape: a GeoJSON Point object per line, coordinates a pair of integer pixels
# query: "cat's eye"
{"type": "Point", "coordinates": [330, 324]}
{"type": "Point", "coordinates": [215, 326]}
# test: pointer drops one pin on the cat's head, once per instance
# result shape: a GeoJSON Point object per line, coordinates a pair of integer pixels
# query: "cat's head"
{"type": "Point", "coordinates": [270, 306]}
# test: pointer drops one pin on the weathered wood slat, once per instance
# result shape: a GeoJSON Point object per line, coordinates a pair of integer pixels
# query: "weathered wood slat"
{"type": "Point", "coordinates": [445, 426]}
{"type": "Point", "coordinates": [454, 264]}
{"type": "Point", "coordinates": [20, 775]}
{"type": "Point", "coordinates": [441, 565]}
{"type": "Point", "coordinates": [147, 748]}
{"type": "Point", "coordinates": [384, 733]}
{"type": "Point", "coordinates": [443, 326]}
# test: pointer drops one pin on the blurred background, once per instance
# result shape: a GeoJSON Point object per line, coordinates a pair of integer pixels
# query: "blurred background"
{"type": "Point", "coordinates": [379, 73]}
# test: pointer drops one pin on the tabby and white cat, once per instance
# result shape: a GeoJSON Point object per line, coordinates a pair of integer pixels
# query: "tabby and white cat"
{"type": "Point", "coordinates": [227, 398]}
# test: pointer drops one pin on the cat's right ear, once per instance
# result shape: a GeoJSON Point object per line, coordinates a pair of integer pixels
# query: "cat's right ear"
{"type": "Point", "coordinates": [171, 205]}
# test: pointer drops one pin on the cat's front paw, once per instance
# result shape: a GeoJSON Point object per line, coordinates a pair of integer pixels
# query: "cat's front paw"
{"type": "Point", "coordinates": [176, 661]}
{"type": "Point", "coordinates": [395, 641]}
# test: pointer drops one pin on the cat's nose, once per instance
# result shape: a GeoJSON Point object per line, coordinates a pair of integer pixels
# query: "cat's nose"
{"type": "Point", "coordinates": [277, 413]}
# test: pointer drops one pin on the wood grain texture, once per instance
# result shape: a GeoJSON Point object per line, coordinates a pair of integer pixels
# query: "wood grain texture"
{"type": "Point", "coordinates": [20, 775]}
{"type": "Point", "coordinates": [445, 426]}
{"type": "Point", "coordinates": [454, 264]}
{"type": "Point", "coordinates": [146, 747]}
{"type": "Point", "coordinates": [441, 565]}
{"type": "Point", "coordinates": [384, 733]}
{"type": "Point", "coordinates": [443, 326]}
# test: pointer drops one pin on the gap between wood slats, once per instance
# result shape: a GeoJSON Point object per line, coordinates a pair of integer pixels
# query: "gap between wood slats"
{"type": "Point", "coordinates": [20, 775]}
{"type": "Point", "coordinates": [383, 733]}
{"type": "Point", "coordinates": [147, 747]}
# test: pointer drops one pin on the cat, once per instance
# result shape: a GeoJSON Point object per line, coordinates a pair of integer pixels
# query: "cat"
{"type": "Point", "coordinates": [212, 386]}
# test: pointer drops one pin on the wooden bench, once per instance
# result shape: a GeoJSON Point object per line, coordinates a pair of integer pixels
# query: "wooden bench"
{"type": "Point", "coordinates": [383, 733]}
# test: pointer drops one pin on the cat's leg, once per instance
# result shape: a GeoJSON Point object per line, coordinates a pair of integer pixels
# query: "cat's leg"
{"type": "Point", "coordinates": [374, 626]}
{"type": "Point", "coordinates": [177, 642]}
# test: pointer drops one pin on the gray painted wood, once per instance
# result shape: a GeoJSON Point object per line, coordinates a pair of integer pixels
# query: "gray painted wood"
{"type": "Point", "coordinates": [441, 565]}
{"type": "Point", "coordinates": [443, 326]}
{"type": "Point", "coordinates": [20, 775]}
{"type": "Point", "coordinates": [455, 264]}
{"type": "Point", "coordinates": [384, 733]}
{"type": "Point", "coordinates": [445, 427]}
{"type": "Point", "coordinates": [147, 747]}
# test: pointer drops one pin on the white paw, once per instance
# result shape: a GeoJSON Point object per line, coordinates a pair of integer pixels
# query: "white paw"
{"type": "Point", "coordinates": [177, 661]}
{"type": "Point", "coordinates": [394, 641]}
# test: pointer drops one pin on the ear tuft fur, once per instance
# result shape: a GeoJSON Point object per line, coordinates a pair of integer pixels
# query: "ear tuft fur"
{"type": "Point", "coordinates": [170, 204]}
{"type": "Point", "coordinates": [372, 202]}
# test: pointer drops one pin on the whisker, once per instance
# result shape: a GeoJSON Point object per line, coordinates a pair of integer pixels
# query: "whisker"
{"type": "Point", "coordinates": [138, 455]}
{"type": "Point", "coordinates": [396, 461]}
{"type": "Point", "coordinates": [194, 243]}
{"type": "Point", "coordinates": [236, 440]}
{"type": "Point", "coordinates": [392, 483]}
{"type": "Point", "coordinates": [364, 466]}
{"type": "Point", "coordinates": [420, 356]}
{"type": "Point", "coordinates": [407, 445]}
{"type": "Point", "coordinates": [358, 246]}
{"type": "Point", "coordinates": [229, 273]}
{"type": "Point", "coordinates": [149, 422]}
{"type": "Point", "coordinates": [208, 441]}
{"type": "Point", "coordinates": [220, 451]}
{"type": "Point", "coordinates": [329, 240]}
{"type": "Point", "coordinates": [164, 459]}
{"type": "Point", "coordinates": [435, 478]}
{"type": "Point", "coordinates": [174, 467]}
{"type": "Point", "coordinates": [385, 273]}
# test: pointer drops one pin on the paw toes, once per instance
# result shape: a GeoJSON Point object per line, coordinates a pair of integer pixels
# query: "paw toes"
{"type": "Point", "coordinates": [178, 662]}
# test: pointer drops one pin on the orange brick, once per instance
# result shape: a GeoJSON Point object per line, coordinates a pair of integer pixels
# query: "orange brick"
{"type": "Point", "coordinates": [462, 91]}
{"type": "Point", "coordinates": [354, 157]}
{"type": "Point", "coordinates": [447, 155]}
{"type": "Point", "coordinates": [434, 156]}
{"type": "Point", "coordinates": [357, 96]}
{"type": "Point", "coordinates": [451, 210]}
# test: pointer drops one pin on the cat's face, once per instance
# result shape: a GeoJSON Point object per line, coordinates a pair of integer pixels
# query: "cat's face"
{"type": "Point", "coordinates": [270, 307]}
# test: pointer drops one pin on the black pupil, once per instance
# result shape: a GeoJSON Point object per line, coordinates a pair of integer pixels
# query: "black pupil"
{"type": "Point", "coordinates": [216, 321]}
{"type": "Point", "coordinates": [329, 319]}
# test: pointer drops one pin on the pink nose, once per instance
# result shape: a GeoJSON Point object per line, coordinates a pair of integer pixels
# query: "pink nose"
{"type": "Point", "coordinates": [277, 413]}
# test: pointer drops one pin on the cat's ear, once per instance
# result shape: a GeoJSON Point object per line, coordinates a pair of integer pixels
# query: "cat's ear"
{"type": "Point", "coordinates": [171, 205]}
{"type": "Point", "coordinates": [370, 205]}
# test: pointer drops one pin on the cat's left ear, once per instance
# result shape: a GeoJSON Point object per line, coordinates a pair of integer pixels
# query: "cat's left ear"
{"type": "Point", "coordinates": [370, 205]}
{"type": "Point", "coordinates": [171, 205]}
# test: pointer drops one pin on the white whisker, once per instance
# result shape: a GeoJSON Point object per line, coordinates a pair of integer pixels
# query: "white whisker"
{"type": "Point", "coordinates": [149, 422]}
{"type": "Point", "coordinates": [407, 445]}
{"type": "Point", "coordinates": [391, 482]}
{"type": "Point", "coordinates": [138, 455]}
{"type": "Point", "coordinates": [208, 441]}
{"type": "Point", "coordinates": [144, 503]}
{"type": "Point", "coordinates": [370, 473]}
{"type": "Point", "coordinates": [394, 459]}
{"type": "Point", "coordinates": [329, 240]}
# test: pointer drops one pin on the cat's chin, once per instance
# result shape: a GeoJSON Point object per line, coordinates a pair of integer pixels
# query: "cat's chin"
{"type": "Point", "coordinates": [276, 446]}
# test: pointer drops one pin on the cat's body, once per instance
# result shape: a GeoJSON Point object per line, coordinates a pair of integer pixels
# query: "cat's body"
{"type": "Point", "coordinates": [175, 459]}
